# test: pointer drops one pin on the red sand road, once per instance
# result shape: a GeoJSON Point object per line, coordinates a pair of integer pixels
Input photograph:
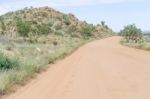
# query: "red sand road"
{"type": "Point", "coordinates": [102, 69]}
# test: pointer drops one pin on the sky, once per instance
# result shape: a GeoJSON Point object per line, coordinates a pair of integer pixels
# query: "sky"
{"type": "Point", "coordinates": [116, 13]}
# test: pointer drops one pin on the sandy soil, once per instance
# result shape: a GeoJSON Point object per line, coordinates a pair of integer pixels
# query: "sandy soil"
{"type": "Point", "coordinates": [102, 69]}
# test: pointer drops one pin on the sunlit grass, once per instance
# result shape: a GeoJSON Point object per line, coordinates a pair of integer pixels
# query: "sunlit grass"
{"type": "Point", "coordinates": [33, 58]}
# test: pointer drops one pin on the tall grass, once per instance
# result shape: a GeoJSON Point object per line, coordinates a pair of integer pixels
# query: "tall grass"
{"type": "Point", "coordinates": [32, 58]}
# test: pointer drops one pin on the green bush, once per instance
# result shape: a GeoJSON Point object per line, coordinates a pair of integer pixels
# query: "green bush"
{"type": "Point", "coordinates": [23, 27]}
{"type": "Point", "coordinates": [66, 20]}
{"type": "Point", "coordinates": [43, 29]}
{"type": "Point", "coordinates": [34, 30]}
{"type": "Point", "coordinates": [59, 33]}
{"type": "Point", "coordinates": [87, 31]}
{"type": "Point", "coordinates": [132, 33]}
{"type": "Point", "coordinates": [7, 63]}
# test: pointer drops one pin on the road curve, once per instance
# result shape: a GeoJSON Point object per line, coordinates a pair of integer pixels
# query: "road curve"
{"type": "Point", "coordinates": [102, 69]}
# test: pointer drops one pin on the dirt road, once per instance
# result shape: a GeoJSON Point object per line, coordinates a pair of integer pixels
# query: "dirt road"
{"type": "Point", "coordinates": [102, 69]}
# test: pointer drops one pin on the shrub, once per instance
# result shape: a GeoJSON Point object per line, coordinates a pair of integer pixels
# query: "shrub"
{"type": "Point", "coordinates": [55, 43]}
{"type": "Point", "coordinates": [58, 26]}
{"type": "Point", "coordinates": [9, 48]}
{"type": "Point", "coordinates": [66, 20]}
{"type": "Point", "coordinates": [59, 33]}
{"type": "Point", "coordinates": [50, 24]}
{"type": "Point", "coordinates": [7, 63]}
{"type": "Point", "coordinates": [131, 33]}
{"type": "Point", "coordinates": [23, 27]}
{"type": "Point", "coordinates": [32, 41]}
{"type": "Point", "coordinates": [87, 31]}
{"type": "Point", "coordinates": [43, 29]}
{"type": "Point", "coordinates": [34, 30]}
{"type": "Point", "coordinates": [44, 14]}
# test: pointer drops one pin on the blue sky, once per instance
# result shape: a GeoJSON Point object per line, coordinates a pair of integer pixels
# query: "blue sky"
{"type": "Point", "coordinates": [116, 13]}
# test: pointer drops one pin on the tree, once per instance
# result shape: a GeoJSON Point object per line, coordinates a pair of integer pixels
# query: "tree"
{"type": "Point", "coordinates": [132, 33]}
{"type": "Point", "coordinates": [103, 23]}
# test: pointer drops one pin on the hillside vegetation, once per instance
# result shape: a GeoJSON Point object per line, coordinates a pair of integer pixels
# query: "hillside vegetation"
{"type": "Point", "coordinates": [31, 38]}
{"type": "Point", "coordinates": [45, 21]}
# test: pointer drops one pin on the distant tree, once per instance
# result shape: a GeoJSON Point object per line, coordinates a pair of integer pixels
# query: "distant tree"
{"type": "Point", "coordinates": [103, 23]}
{"type": "Point", "coordinates": [25, 8]}
{"type": "Point", "coordinates": [106, 26]}
{"type": "Point", "coordinates": [132, 33]}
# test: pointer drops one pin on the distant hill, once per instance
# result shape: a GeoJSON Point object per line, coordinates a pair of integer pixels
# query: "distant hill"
{"type": "Point", "coordinates": [45, 21]}
{"type": "Point", "coordinates": [146, 32]}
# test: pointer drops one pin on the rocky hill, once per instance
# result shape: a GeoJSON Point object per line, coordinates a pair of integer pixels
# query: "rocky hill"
{"type": "Point", "coordinates": [30, 22]}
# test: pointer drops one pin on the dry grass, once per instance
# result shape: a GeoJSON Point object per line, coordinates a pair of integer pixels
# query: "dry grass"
{"type": "Point", "coordinates": [33, 58]}
{"type": "Point", "coordinates": [144, 45]}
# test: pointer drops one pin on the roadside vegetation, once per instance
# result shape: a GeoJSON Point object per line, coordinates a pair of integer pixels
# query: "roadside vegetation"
{"type": "Point", "coordinates": [134, 37]}
{"type": "Point", "coordinates": [32, 38]}
{"type": "Point", "coordinates": [22, 60]}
